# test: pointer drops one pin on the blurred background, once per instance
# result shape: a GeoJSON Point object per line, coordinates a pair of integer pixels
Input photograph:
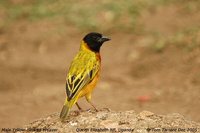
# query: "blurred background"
{"type": "Point", "coordinates": [152, 62]}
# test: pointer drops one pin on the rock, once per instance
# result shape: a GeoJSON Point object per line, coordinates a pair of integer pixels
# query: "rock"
{"type": "Point", "coordinates": [111, 121]}
{"type": "Point", "coordinates": [144, 114]}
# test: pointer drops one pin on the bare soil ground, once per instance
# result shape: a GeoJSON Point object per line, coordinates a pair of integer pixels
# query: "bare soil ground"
{"type": "Point", "coordinates": [163, 78]}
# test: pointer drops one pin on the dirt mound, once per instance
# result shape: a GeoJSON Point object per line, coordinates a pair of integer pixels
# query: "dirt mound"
{"type": "Point", "coordinates": [111, 121]}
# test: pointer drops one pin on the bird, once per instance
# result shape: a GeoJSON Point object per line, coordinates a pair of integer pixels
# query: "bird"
{"type": "Point", "coordinates": [83, 72]}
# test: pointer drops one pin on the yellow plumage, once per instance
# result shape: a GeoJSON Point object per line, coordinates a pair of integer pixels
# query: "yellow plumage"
{"type": "Point", "coordinates": [85, 67]}
{"type": "Point", "coordinates": [83, 73]}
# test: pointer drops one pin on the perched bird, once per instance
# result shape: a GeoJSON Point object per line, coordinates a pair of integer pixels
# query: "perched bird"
{"type": "Point", "coordinates": [84, 72]}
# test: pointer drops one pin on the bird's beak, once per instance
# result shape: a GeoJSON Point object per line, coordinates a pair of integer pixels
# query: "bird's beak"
{"type": "Point", "coordinates": [104, 39]}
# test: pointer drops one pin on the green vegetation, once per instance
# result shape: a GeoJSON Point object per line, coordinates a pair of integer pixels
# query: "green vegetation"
{"type": "Point", "coordinates": [82, 14]}
{"type": "Point", "coordinates": [186, 39]}
{"type": "Point", "coordinates": [106, 15]}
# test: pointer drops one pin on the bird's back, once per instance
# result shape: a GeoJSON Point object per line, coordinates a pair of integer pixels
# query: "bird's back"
{"type": "Point", "coordinates": [83, 63]}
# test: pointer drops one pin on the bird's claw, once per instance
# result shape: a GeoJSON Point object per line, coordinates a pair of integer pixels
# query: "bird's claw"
{"type": "Point", "coordinates": [92, 110]}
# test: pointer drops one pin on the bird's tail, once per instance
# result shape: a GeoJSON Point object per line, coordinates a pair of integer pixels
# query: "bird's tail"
{"type": "Point", "coordinates": [65, 110]}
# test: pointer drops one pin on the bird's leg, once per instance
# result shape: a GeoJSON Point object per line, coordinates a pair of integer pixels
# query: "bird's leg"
{"type": "Point", "coordinates": [93, 106]}
{"type": "Point", "coordinates": [88, 98]}
{"type": "Point", "coordinates": [79, 108]}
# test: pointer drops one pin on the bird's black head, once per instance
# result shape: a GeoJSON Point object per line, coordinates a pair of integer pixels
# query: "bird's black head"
{"type": "Point", "coordinates": [95, 40]}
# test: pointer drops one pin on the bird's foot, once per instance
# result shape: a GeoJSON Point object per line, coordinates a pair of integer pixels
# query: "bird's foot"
{"type": "Point", "coordinates": [107, 109]}
{"type": "Point", "coordinates": [92, 110]}
{"type": "Point", "coordinates": [76, 113]}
